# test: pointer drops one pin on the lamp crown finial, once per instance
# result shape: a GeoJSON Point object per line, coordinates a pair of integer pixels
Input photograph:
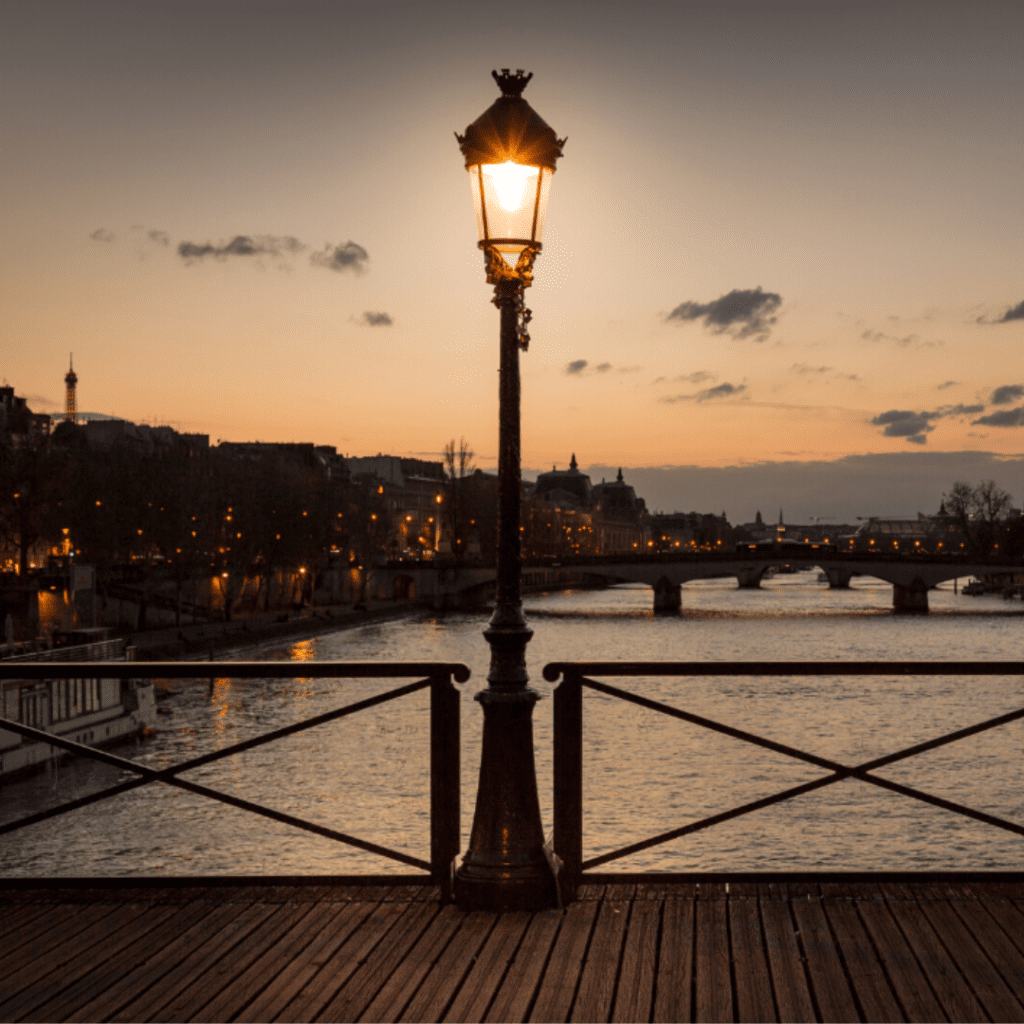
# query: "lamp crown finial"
{"type": "Point", "coordinates": [509, 84]}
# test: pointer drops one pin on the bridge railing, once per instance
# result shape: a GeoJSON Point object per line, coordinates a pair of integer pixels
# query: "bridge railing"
{"type": "Point", "coordinates": [438, 677]}
{"type": "Point", "coordinates": [568, 743]}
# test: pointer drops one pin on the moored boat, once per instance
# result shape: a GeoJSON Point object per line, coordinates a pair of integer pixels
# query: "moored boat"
{"type": "Point", "coordinates": [93, 711]}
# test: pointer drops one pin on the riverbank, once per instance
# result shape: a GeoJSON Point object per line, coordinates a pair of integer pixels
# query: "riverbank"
{"type": "Point", "coordinates": [193, 641]}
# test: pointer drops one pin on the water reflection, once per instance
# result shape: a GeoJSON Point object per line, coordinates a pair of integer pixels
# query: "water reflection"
{"type": "Point", "coordinates": [644, 773]}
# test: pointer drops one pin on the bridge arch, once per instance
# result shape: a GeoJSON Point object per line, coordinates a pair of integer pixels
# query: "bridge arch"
{"type": "Point", "coordinates": [403, 588]}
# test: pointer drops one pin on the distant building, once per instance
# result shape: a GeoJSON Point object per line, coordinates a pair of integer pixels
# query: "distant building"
{"type": "Point", "coordinates": [415, 490]}
{"type": "Point", "coordinates": [691, 529]}
{"type": "Point", "coordinates": [568, 515]}
{"type": "Point", "coordinates": [301, 453]}
{"type": "Point", "coordinates": [565, 487]}
{"type": "Point", "coordinates": [18, 423]}
{"type": "Point", "coordinates": [104, 434]}
{"type": "Point", "coordinates": [927, 532]}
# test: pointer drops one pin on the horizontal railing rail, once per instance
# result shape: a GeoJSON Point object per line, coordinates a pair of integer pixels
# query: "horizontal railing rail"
{"type": "Point", "coordinates": [568, 742]}
{"type": "Point", "coordinates": [444, 741]}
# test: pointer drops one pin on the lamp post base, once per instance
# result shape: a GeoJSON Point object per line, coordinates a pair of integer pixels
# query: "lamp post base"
{"type": "Point", "coordinates": [506, 867]}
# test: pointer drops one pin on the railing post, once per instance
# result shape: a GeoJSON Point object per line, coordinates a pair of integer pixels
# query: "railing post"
{"type": "Point", "coordinates": [445, 812]}
{"type": "Point", "coordinates": [568, 766]}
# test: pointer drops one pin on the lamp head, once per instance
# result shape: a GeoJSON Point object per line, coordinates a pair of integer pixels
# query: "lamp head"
{"type": "Point", "coordinates": [510, 154]}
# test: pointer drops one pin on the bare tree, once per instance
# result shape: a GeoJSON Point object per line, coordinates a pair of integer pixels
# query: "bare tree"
{"type": "Point", "coordinates": [458, 465]}
{"type": "Point", "coordinates": [980, 511]}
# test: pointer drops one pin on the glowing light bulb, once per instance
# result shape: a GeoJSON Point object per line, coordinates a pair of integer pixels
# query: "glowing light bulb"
{"type": "Point", "coordinates": [510, 180]}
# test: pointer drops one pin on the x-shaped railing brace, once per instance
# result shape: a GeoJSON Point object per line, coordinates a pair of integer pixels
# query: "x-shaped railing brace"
{"type": "Point", "coordinates": [839, 772]}
{"type": "Point", "coordinates": [170, 775]}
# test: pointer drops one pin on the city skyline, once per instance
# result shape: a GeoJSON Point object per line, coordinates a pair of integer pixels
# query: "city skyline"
{"type": "Point", "coordinates": [793, 239]}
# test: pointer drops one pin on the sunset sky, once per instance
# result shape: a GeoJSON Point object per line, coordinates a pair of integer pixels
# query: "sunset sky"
{"type": "Point", "coordinates": [781, 232]}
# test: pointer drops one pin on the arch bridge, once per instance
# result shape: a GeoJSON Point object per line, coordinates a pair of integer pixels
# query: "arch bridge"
{"type": "Point", "coordinates": [911, 576]}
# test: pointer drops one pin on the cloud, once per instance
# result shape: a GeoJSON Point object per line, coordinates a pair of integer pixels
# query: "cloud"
{"type": "Point", "coordinates": [1014, 313]}
{"type": "Point", "coordinates": [901, 423]}
{"type": "Point", "coordinates": [742, 313]}
{"type": "Point", "coordinates": [804, 368]}
{"type": "Point", "coordinates": [959, 410]}
{"type": "Point", "coordinates": [242, 245]}
{"type": "Point", "coordinates": [1003, 418]}
{"type": "Point", "coordinates": [159, 237]}
{"type": "Point", "coordinates": [907, 341]}
{"type": "Point", "coordinates": [349, 256]}
{"type": "Point", "coordinates": [915, 425]}
{"type": "Point", "coordinates": [1007, 394]}
{"type": "Point", "coordinates": [369, 319]}
{"type": "Point", "coordinates": [697, 377]}
{"type": "Point", "coordinates": [581, 367]}
{"type": "Point", "coordinates": [102, 235]}
{"type": "Point", "coordinates": [946, 384]}
{"type": "Point", "coordinates": [897, 483]}
{"type": "Point", "coordinates": [724, 390]}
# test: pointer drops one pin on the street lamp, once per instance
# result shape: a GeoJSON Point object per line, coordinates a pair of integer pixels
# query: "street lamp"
{"type": "Point", "coordinates": [510, 156]}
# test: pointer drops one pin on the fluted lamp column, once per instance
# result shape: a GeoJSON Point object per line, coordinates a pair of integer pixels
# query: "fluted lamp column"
{"type": "Point", "coordinates": [510, 156]}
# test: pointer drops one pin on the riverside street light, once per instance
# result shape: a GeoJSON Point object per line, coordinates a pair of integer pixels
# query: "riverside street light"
{"type": "Point", "coordinates": [510, 155]}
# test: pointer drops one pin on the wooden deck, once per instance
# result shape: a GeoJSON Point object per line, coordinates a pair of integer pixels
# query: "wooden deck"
{"type": "Point", "coordinates": [750, 951]}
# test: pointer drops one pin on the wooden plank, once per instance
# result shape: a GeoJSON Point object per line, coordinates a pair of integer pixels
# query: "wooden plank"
{"type": "Point", "coordinates": [368, 979]}
{"type": "Point", "coordinates": [957, 1000]}
{"type": "Point", "coordinates": [160, 961]}
{"type": "Point", "coordinates": [901, 966]}
{"type": "Point", "coordinates": [326, 982]}
{"type": "Point", "coordinates": [828, 980]}
{"type": "Point", "coordinates": [238, 921]}
{"type": "Point", "coordinates": [43, 918]}
{"type": "Point", "coordinates": [754, 999]}
{"type": "Point", "coordinates": [15, 916]}
{"type": "Point", "coordinates": [331, 924]}
{"type": "Point", "coordinates": [106, 970]}
{"type": "Point", "coordinates": [558, 987]}
{"type": "Point", "coordinates": [870, 985]}
{"type": "Point", "coordinates": [713, 989]}
{"type": "Point", "coordinates": [620, 891]}
{"type": "Point", "coordinates": [516, 991]}
{"type": "Point", "coordinates": [211, 978]}
{"type": "Point", "coordinates": [1010, 919]}
{"type": "Point", "coordinates": [675, 962]}
{"type": "Point", "coordinates": [281, 938]}
{"type": "Point", "coordinates": [56, 978]}
{"type": "Point", "coordinates": [601, 968]}
{"type": "Point", "coordinates": [58, 927]}
{"type": "Point", "coordinates": [634, 996]}
{"type": "Point", "coordinates": [443, 980]}
{"type": "Point", "coordinates": [408, 975]}
{"type": "Point", "coordinates": [789, 980]}
{"type": "Point", "coordinates": [489, 969]}
{"type": "Point", "coordinates": [1006, 957]}
{"type": "Point", "coordinates": [41, 978]}
{"type": "Point", "coordinates": [985, 982]}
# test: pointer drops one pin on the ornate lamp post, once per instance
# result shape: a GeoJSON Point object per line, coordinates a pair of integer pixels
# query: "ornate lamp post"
{"type": "Point", "coordinates": [510, 155]}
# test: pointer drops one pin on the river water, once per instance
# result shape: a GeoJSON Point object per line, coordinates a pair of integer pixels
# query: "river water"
{"type": "Point", "coordinates": [644, 773]}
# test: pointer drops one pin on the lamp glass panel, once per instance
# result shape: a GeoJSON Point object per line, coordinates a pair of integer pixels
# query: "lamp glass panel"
{"type": "Point", "coordinates": [509, 196]}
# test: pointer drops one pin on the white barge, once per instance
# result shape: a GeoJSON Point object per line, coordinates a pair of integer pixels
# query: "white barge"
{"type": "Point", "coordinates": [93, 711]}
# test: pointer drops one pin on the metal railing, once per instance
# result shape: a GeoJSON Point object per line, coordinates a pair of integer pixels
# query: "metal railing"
{"type": "Point", "coordinates": [568, 742]}
{"type": "Point", "coordinates": [444, 742]}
